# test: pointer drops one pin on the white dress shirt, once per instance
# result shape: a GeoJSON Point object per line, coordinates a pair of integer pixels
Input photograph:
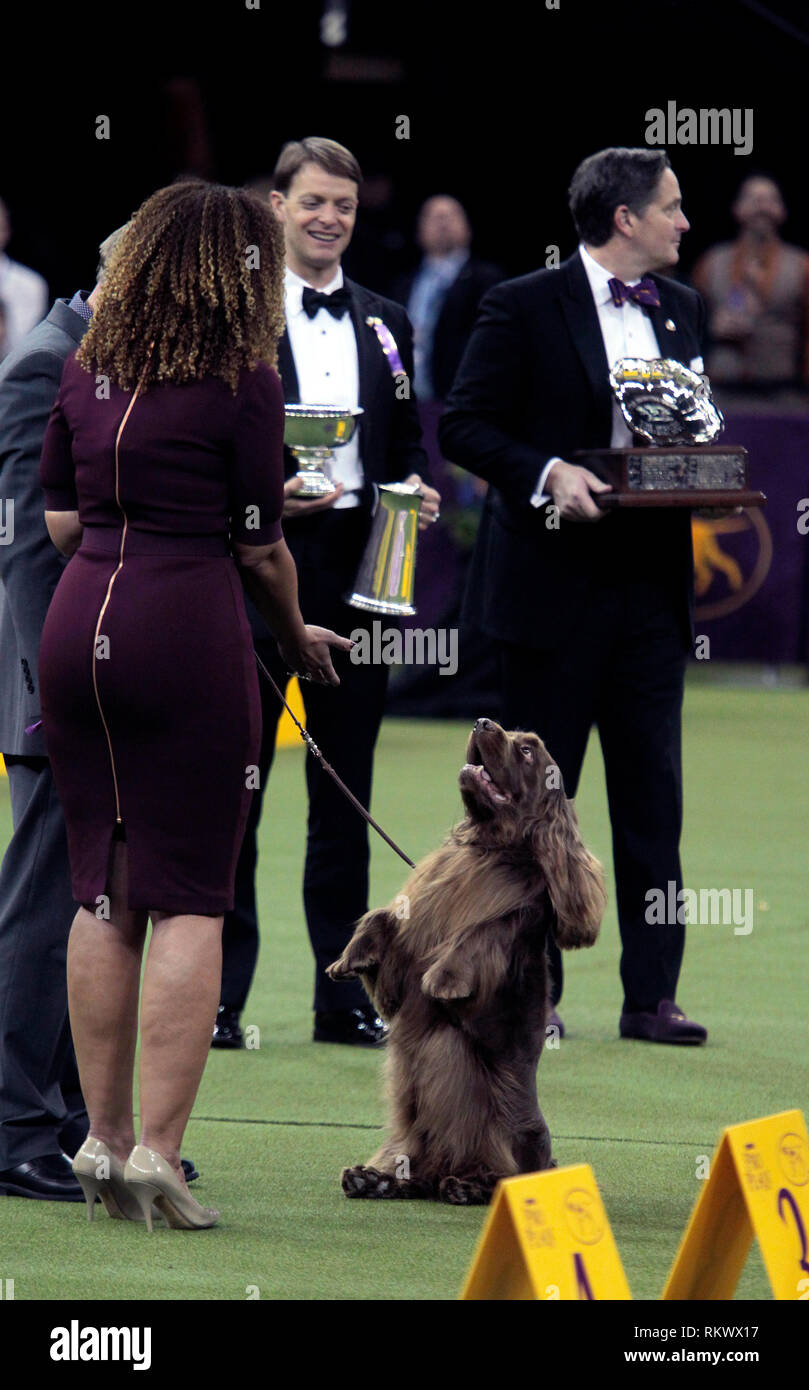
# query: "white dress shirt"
{"type": "Point", "coordinates": [627, 332]}
{"type": "Point", "coordinates": [327, 364]}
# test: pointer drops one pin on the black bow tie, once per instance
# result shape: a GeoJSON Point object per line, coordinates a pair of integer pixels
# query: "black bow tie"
{"type": "Point", "coordinates": [336, 303]}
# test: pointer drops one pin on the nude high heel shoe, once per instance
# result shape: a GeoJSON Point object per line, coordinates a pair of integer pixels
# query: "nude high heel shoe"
{"type": "Point", "coordinates": [150, 1179]}
{"type": "Point", "coordinates": [101, 1174]}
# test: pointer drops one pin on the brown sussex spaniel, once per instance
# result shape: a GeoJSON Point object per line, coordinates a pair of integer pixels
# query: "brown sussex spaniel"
{"type": "Point", "coordinates": [456, 964]}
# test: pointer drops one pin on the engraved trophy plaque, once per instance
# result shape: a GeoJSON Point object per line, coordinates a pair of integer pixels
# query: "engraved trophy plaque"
{"type": "Point", "coordinates": [313, 432]}
{"type": "Point", "coordinates": [673, 461]}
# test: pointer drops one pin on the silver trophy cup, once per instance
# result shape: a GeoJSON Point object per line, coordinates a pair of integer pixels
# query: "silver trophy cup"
{"type": "Point", "coordinates": [313, 432]}
{"type": "Point", "coordinates": [387, 572]}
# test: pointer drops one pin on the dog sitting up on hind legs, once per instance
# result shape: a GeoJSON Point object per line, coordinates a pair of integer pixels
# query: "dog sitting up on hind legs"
{"type": "Point", "coordinates": [457, 966]}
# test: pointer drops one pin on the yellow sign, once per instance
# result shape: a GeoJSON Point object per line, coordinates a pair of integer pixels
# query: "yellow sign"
{"type": "Point", "coordinates": [547, 1236]}
{"type": "Point", "coordinates": [288, 736]}
{"type": "Point", "coordinates": [759, 1185]}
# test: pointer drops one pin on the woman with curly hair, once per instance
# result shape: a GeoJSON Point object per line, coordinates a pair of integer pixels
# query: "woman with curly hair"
{"type": "Point", "coordinates": [163, 477]}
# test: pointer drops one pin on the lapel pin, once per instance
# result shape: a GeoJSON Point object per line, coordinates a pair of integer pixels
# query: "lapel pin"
{"type": "Point", "coordinates": [671, 325]}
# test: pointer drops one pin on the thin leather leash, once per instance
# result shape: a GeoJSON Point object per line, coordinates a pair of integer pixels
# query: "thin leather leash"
{"type": "Point", "coordinates": [327, 767]}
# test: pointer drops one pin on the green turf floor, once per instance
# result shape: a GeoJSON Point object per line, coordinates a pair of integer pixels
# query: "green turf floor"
{"type": "Point", "coordinates": [273, 1125]}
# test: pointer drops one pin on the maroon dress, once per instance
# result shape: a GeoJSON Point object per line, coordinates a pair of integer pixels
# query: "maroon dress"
{"type": "Point", "coordinates": [148, 681]}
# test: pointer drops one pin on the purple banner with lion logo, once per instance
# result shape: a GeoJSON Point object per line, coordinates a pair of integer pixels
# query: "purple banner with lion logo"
{"type": "Point", "coordinates": [751, 572]}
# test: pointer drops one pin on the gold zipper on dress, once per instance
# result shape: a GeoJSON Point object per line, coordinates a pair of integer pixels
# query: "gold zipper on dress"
{"type": "Point", "coordinates": [113, 578]}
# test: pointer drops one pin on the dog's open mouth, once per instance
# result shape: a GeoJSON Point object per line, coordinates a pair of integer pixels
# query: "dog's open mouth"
{"type": "Point", "coordinates": [485, 781]}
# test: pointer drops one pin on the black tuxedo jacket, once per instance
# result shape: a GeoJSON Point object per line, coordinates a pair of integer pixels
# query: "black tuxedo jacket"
{"type": "Point", "coordinates": [533, 383]}
{"type": "Point", "coordinates": [456, 319]}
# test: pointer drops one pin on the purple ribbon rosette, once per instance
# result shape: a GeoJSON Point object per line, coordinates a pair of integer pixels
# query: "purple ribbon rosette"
{"type": "Point", "coordinates": [388, 344]}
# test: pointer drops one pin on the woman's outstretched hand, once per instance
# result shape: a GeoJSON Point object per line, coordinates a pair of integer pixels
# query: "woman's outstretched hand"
{"type": "Point", "coordinates": [310, 657]}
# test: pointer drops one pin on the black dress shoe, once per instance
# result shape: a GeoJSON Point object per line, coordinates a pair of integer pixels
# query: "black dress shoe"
{"type": "Point", "coordinates": [667, 1025]}
{"type": "Point", "coordinates": [226, 1030]}
{"type": "Point", "coordinates": [48, 1178]}
{"type": "Point", "coordinates": [358, 1027]}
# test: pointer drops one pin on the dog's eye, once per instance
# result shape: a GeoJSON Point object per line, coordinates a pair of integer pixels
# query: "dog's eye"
{"type": "Point", "coordinates": [527, 752]}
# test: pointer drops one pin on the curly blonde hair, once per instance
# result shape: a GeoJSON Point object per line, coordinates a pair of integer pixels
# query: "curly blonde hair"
{"type": "Point", "coordinates": [194, 287]}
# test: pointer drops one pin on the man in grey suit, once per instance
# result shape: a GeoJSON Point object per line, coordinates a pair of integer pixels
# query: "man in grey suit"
{"type": "Point", "coordinates": [42, 1112]}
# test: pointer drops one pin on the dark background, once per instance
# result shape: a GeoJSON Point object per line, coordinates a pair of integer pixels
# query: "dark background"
{"type": "Point", "coordinates": [503, 102]}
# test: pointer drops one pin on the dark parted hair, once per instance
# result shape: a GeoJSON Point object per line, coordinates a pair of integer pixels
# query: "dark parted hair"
{"type": "Point", "coordinates": [194, 287]}
{"type": "Point", "coordinates": [605, 180]}
{"type": "Point", "coordinates": [334, 158]}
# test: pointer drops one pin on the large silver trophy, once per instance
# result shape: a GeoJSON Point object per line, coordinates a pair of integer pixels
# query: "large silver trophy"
{"type": "Point", "coordinates": [665, 402]}
{"type": "Point", "coordinates": [313, 432]}
{"type": "Point", "coordinates": [673, 461]}
{"type": "Point", "coordinates": [387, 571]}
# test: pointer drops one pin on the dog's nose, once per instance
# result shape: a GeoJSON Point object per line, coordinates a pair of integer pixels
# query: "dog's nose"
{"type": "Point", "coordinates": [483, 724]}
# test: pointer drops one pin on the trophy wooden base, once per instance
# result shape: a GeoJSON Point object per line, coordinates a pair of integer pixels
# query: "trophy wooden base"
{"type": "Point", "coordinates": [709, 475]}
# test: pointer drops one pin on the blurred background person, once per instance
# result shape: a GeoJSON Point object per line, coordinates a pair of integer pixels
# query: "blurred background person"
{"type": "Point", "coordinates": [23, 292]}
{"type": "Point", "coordinates": [442, 295]}
{"type": "Point", "coordinates": [757, 292]}
{"type": "Point", "coordinates": [162, 464]}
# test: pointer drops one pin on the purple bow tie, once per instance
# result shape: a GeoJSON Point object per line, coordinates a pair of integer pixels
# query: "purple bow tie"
{"type": "Point", "coordinates": [645, 292]}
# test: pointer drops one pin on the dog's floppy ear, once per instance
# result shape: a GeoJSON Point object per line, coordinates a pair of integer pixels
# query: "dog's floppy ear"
{"type": "Point", "coordinates": [365, 949]}
{"type": "Point", "coordinates": [574, 876]}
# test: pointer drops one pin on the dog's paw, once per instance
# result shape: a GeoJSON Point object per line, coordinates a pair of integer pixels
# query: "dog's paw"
{"type": "Point", "coordinates": [349, 966]}
{"type": "Point", "coordinates": [465, 1192]}
{"type": "Point", "coordinates": [442, 983]}
{"type": "Point", "coordinates": [367, 1182]}
{"type": "Point", "coordinates": [338, 970]}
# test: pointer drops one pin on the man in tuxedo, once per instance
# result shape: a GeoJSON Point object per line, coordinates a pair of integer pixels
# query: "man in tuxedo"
{"type": "Point", "coordinates": [329, 354]}
{"type": "Point", "coordinates": [42, 1112]}
{"type": "Point", "coordinates": [592, 610]}
{"type": "Point", "coordinates": [443, 294]}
